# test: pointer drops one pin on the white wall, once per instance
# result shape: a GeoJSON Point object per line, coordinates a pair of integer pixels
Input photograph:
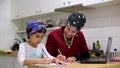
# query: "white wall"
{"type": "Point", "coordinates": [6, 27]}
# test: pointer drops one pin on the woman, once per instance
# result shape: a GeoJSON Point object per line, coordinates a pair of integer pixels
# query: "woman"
{"type": "Point", "coordinates": [33, 51]}
{"type": "Point", "coordinates": [68, 43]}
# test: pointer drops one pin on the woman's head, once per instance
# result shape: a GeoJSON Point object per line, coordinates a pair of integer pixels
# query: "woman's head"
{"type": "Point", "coordinates": [74, 23]}
{"type": "Point", "coordinates": [35, 30]}
{"type": "Point", "coordinates": [70, 32]}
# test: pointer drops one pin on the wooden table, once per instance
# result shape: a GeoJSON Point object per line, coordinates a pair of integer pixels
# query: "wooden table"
{"type": "Point", "coordinates": [78, 65]}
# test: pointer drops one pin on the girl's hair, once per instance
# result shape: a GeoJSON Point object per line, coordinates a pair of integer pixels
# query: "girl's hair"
{"type": "Point", "coordinates": [35, 26]}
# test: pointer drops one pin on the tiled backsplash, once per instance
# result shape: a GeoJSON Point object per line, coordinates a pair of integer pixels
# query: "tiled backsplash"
{"type": "Point", "coordinates": [102, 34]}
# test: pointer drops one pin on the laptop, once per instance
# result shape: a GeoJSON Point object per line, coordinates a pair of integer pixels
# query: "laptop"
{"type": "Point", "coordinates": [100, 60]}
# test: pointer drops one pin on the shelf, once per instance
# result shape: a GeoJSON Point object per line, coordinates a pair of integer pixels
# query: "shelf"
{"type": "Point", "coordinates": [23, 31]}
{"type": "Point", "coordinates": [52, 28]}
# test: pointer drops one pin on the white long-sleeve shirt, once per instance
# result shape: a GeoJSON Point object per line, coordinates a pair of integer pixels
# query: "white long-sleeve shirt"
{"type": "Point", "coordinates": [26, 51]}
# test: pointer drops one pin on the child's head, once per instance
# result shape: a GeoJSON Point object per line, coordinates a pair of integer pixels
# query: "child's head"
{"type": "Point", "coordinates": [35, 30]}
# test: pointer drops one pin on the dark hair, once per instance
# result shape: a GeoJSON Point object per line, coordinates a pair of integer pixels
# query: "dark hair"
{"type": "Point", "coordinates": [35, 26]}
{"type": "Point", "coordinates": [76, 19]}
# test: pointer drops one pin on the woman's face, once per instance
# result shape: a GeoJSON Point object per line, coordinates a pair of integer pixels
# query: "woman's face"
{"type": "Point", "coordinates": [36, 38]}
{"type": "Point", "coordinates": [70, 31]}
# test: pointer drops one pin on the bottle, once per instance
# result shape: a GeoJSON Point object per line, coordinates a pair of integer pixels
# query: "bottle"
{"type": "Point", "coordinates": [93, 51]}
{"type": "Point", "coordinates": [102, 54]}
{"type": "Point", "coordinates": [115, 52]}
{"type": "Point", "coordinates": [97, 45]}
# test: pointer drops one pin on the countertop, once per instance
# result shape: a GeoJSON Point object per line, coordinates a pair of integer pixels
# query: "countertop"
{"type": "Point", "coordinates": [12, 54]}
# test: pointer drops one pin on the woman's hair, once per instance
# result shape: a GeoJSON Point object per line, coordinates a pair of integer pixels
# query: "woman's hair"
{"type": "Point", "coordinates": [35, 26]}
{"type": "Point", "coordinates": [76, 19]}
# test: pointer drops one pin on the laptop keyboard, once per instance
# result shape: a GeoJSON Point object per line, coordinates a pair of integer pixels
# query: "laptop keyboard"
{"type": "Point", "coordinates": [96, 59]}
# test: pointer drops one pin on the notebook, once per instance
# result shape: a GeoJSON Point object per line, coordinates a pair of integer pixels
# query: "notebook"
{"type": "Point", "coordinates": [100, 60]}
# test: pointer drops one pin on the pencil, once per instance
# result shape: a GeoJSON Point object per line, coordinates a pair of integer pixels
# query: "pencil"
{"type": "Point", "coordinates": [59, 51]}
{"type": "Point", "coordinates": [44, 53]}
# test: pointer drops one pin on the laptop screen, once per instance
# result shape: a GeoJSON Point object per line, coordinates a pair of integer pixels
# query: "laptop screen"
{"type": "Point", "coordinates": [108, 48]}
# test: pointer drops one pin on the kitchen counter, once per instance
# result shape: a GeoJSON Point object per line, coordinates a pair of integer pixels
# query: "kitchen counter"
{"type": "Point", "coordinates": [13, 55]}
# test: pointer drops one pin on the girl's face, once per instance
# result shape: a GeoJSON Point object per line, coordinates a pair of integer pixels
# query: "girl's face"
{"type": "Point", "coordinates": [36, 38]}
{"type": "Point", "coordinates": [70, 31]}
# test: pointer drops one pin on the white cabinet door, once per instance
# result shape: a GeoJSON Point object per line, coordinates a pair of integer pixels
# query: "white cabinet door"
{"type": "Point", "coordinates": [24, 8]}
{"type": "Point", "coordinates": [46, 6]}
{"type": "Point", "coordinates": [64, 3]}
{"type": "Point", "coordinates": [90, 2]}
{"type": "Point", "coordinates": [15, 8]}
{"type": "Point", "coordinates": [31, 7]}
{"type": "Point", "coordinates": [72, 2]}
{"type": "Point", "coordinates": [6, 62]}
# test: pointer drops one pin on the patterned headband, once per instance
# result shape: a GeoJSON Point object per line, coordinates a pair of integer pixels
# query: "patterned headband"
{"type": "Point", "coordinates": [35, 25]}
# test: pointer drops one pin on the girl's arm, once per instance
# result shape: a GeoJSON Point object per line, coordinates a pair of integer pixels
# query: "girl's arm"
{"type": "Point", "coordinates": [45, 52]}
{"type": "Point", "coordinates": [37, 61]}
{"type": "Point", "coordinates": [24, 61]}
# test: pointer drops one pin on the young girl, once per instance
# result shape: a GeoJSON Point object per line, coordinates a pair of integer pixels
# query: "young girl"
{"type": "Point", "coordinates": [33, 51]}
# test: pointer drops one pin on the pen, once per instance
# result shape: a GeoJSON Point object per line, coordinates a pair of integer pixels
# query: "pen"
{"type": "Point", "coordinates": [62, 57]}
{"type": "Point", "coordinates": [44, 52]}
{"type": "Point", "coordinates": [59, 51]}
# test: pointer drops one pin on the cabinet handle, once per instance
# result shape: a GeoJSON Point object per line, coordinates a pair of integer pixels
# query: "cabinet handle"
{"type": "Point", "coordinates": [36, 11]}
{"type": "Point", "coordinates": [69, 2]}
{"type": "Point", "coordinates": [17, 16]}
{"type": "Point", "coordinates": [63, 3]}
{"type": "Point", "coordinates": [40, 11]}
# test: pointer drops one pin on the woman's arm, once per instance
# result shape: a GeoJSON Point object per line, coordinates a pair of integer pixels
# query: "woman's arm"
{"type": "Point", "coordinates": [50, 45]}
{"type": "Point", "coordinates": [47, 55]}
{"type": "Point", "coordinates": [84, 51]}
{"type": "Point", "coordinates": [83, 56]}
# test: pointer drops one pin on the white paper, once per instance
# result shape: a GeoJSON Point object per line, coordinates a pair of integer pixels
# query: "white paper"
{"type": "Point", "coordinates": [53, 64]}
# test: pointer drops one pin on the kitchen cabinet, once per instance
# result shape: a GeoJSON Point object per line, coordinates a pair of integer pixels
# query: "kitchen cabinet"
{"type": "Point", "coordinates": [92, 2]}
{"type": "Point", "coordinates": [65, 3]}
{"type": "Point", "coordinates": [27, 8]}
{"type": "Point", "coordinates": [24, 8]}
{"type": "Point", "coordinates": [71, 5]}
{"type": "Point", "coordinates": [9, 62]}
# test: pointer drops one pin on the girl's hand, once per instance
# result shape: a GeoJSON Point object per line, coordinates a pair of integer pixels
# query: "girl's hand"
{"type": "Point", "coordinates": [71, 59]}
{"type": "Point", "coordinates": [61, 57]}
{"type": "Point", "coordinates": [47, 60]}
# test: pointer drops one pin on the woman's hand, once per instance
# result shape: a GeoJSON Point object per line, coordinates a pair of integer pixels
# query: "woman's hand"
{"type": "Point", "coordinates": [61, 57]}
{"type": "Point", "coordinates": [71, 59]}
{"type": "Point", "coordinates": [57, 61]}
